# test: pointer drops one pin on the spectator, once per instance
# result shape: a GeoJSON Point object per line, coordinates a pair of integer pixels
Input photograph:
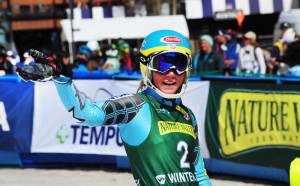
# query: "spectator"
{"type": "Point", "coordinates": [279, 49]}
{"type": "Point", "coordinates": [124, 55]}
{"type": "Point", "coordinates": [292, 54]}
{"type": "Point", "coordinates": [13, 58]}
{"type": "Point", "coordinates": [135, 59]}
{"type": "Point", "coordinates": [207, 60]}
{"type": "Point", "coordinates": [284, 26]}
{"type": "Point", "coordinates": [27, 60]}
{"type": "Point", "coordinates": [82, 58]}
{"type": "Point", "coordinates": [92, 64]}
{"type": "Point", "coordinates": [251, 57]}
{"type": "Point", "coordinates": [228, 46]}
{"type": "Point", "coordinates": [5, 66]}
{"type": "Point", "coordinates": [66, 65]}
{"type": "Point", "coordinates": [112, 64]}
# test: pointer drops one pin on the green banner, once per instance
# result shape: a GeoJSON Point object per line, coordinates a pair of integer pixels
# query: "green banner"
{"type": "Point", "coordinates": [253, 123]}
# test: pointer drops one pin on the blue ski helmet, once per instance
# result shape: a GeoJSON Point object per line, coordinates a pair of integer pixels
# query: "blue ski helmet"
{"type": "Point", "coordinates": [164, 41]}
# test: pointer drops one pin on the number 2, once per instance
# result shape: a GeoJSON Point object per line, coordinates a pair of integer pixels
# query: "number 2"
{"type": "Point", "coordinates": [183, 146]}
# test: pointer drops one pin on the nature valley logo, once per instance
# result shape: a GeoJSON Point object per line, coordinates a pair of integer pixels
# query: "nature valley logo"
{"type": "Point", "coordinates": [167, 127]}
{"type": "Point", "coordinates": [250, 120]}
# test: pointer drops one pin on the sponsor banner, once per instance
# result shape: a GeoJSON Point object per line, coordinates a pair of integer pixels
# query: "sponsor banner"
{"type": "Point", "coordinates": [254, 124]}
{"type": "Point", "coordinates": [16, 108]}
{"type": "Point", "coordinates": [56, 131]}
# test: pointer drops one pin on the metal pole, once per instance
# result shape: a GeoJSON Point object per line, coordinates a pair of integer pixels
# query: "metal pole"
{"type": "Point", "coordinates": [11, 35]}
{"type": "Point", "coordinates": [71, 44]}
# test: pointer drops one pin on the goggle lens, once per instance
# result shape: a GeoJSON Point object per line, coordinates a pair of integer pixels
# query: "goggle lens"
{"type": "Point", "coordinates": [166, 61]}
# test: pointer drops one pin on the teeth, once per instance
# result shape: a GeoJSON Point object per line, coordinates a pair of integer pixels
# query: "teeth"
{"type": "Point", "coordinates": [169, 82]}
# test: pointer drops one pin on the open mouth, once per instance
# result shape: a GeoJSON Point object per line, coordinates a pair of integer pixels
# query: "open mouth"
{"type": "Point", "coordinates": [169, 82]}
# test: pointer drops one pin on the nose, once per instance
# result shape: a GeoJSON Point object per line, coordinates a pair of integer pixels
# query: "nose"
{"type": "Point", "coordinates": [170, 72]}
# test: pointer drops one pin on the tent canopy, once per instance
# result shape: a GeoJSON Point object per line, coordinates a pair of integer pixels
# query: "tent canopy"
{"type": "Point", "coordinates": [124, 27]}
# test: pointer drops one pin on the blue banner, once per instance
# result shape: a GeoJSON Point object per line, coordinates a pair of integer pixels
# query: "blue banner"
{"type": "Point", "coordinates": [16, 100]}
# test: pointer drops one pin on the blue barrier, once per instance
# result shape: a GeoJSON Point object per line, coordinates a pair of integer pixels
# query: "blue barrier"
{"type": "Point", "coordinates": [17, 98]}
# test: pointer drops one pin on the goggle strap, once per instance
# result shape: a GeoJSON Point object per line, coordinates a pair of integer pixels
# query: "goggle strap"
{"type": "Point", "coordinates": [142, 58]}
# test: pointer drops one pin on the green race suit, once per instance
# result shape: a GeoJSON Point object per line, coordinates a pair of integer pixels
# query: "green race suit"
{"type": "Point", "coordinates": [159, 135]}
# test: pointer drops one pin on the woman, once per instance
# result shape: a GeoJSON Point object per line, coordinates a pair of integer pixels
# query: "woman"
{"type": "Point", "coordinates": [158, 131]}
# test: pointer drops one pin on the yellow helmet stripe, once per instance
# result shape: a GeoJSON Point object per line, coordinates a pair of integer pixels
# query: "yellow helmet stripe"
{"type": "Point", "coordinates": [166, 48]}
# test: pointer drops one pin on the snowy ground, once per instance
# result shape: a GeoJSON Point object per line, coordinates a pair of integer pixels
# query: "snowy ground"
{"type": "Point", "coordinates": [97, 177]}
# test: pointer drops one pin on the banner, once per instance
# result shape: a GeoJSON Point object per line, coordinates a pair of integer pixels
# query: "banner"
{"type": "Point", "coordinates": [16, 108]}
{"type": "Point", "coordinates": [250, 123]}
{"type": "Point", "coordinates": [56, 131]}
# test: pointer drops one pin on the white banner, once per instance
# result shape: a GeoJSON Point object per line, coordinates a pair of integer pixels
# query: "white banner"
{"type": "Point", "coordinates": [56, 131]}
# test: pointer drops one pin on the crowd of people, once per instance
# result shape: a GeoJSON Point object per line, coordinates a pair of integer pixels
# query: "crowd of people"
{"type": "Point", "coordinates": [227, 53]}
{"type": "Point", "coordinates": [230, 52]}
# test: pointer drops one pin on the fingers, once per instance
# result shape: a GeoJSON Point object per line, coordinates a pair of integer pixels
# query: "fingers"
{"type": "Point", "coordinates": [38, 56]}
{"type": "Point", "coordinates": [29, 72]}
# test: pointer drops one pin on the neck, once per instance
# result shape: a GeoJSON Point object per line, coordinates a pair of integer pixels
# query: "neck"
{"type": "Point", "coordinates": [162, 100]}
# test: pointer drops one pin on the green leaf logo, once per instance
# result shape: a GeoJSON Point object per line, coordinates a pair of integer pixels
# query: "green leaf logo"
{"type": "Point", "coordinates": [62, 134]}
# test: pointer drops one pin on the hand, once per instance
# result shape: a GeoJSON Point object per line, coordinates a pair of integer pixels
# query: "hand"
{"type": "Point", "coordinates": [44, 68]}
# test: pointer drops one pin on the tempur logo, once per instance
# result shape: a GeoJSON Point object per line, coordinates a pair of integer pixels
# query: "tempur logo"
{"type": "Point", "coordinates": [161, 179]}
{"type": "Point", "coordinates": [62, 134]}
{"type": "Point", "coordinates": [3, 119]}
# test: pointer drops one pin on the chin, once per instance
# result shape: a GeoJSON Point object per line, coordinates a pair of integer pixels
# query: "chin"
{"type": "Point", "coordinates": [169, 91]}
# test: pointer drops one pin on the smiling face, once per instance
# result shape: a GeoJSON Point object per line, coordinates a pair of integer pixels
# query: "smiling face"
{"type": "Point", "coordinates": [169, 82]}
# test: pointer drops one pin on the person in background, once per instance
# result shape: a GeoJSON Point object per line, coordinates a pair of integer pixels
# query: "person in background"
{"type": "Point", "coordinates": [279, 48]}
{"type": "Point", "coordinates": [292, 53]}
{"type": "Point", "coordinates": [93, 63]}
{"type": "Point", "coordinates": [27, 60]}
{"type": "Point", "coordinates": [67, 67]}
{"type": "Point", "coordinates": [228, 46]}
{"type": "Point", "coordinates": [82, 58]}
{"type": "Point", "coordinates": [135, 60]}
{"type": "Point", "coordinates": [5, 66]}
{"type": "Point", "coordinates": [112, 64]}
{"type": "Point", "coordinates": [158, 131]}
{"type": "Point", "coordinates": [96, 50]}
{"type": "Point", "coordinates": [284, 26]}
{"type": "Point", "coordinates": [251, 57]}
{"type": "Point", "coordinates": [124, 55]}
{"type": "Point", "coordinates": [13, 58]}
{"type": "Point", "coordinates": [207, 60]}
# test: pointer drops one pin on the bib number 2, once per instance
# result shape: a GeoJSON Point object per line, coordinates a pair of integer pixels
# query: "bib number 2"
{"type": "Point", "coordinates": [183, 146]}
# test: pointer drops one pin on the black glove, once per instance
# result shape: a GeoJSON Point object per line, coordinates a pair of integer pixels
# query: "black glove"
{"type": "Point", "coordinates": [44, 68]}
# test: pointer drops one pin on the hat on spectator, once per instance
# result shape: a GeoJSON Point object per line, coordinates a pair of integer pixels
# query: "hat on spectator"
{"type": "Point", "coordinates": [93, 45]}
{"type": "Point", "coordinates": [85, 50]}
{"type": "Point", "coordinates": [250, 35]}
{"type": "Point", "coordinates": [208, 38]}
{"type": "Point", "coordinates": [285, 25]}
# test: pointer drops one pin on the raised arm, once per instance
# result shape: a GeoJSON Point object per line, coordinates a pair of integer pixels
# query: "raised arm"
{"type": "Point", "coordinates": [116, 110]}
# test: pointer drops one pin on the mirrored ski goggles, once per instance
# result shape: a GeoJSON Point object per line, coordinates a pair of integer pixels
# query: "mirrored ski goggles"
{"type": "Point", "coordinates": [163, 62]}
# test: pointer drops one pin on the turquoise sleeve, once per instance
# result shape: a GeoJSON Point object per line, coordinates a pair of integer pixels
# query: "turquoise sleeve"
{"type": "Point", "coordinates": [83, 110]}
{"type": "Point", "coordinates": [131, 113]}
{"type": "Point", "coordinates": [200, 171]}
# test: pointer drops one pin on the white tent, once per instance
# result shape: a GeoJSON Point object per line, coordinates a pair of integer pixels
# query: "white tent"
{"type": "Point", "coordinates": [121, 27]}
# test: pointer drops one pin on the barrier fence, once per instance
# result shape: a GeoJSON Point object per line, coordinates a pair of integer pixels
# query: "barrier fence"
{"type": "Point", "coordinates": [248, 126]}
